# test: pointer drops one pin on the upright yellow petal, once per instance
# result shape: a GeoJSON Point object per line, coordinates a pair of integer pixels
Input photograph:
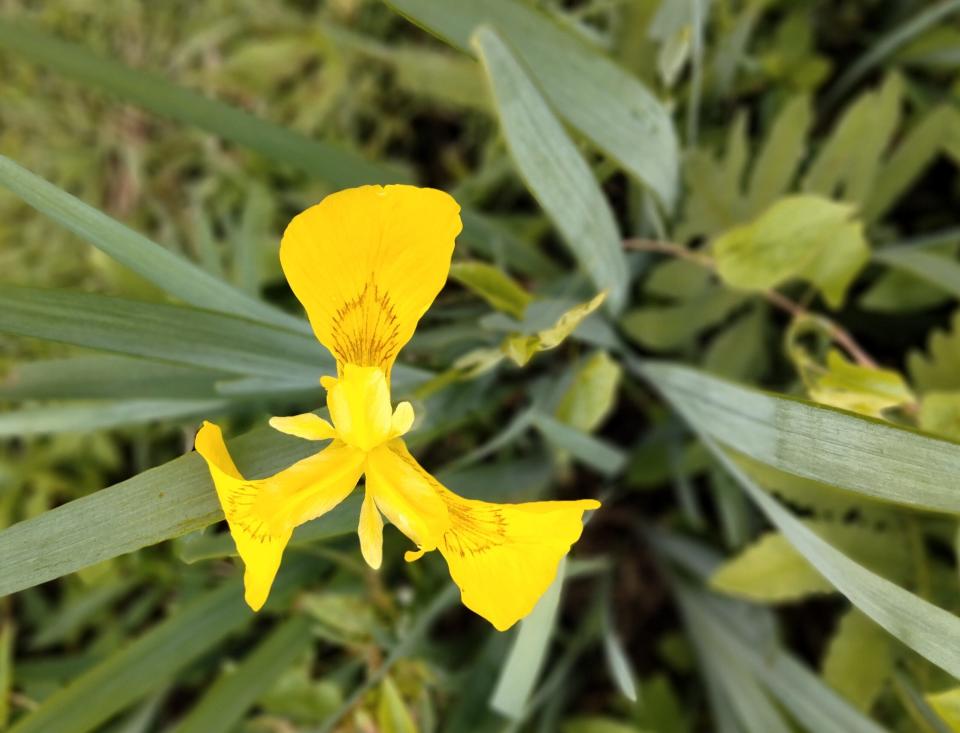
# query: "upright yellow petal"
{"type": "Point", "coordinates": [262, 513]}
{"type": "Point", "coordinates": [502, 556]}
{"type": "Point", "coordinates": [307, 426]}
{"type": "Point", "coordinates": [367, 263]}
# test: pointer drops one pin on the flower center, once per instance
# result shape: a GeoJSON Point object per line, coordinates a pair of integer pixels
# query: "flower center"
{"type": "Point", "coordinates": [359, 404]}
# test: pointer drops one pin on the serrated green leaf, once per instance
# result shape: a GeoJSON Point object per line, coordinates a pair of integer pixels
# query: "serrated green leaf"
{"type": "Point", "coordinates": [932, 268]}
{"type": "Point", "coordinates": [859, 660]}
{"type": "Point", "coordinates": [631, 126]}
{"type": "Point", "coordinates": [592, 395]}
{"type": "Point", "coordinates": [225, 703]}
{"type": "Point", "coordinates": [781, 154]}
{"type": "Point", "coordinates": [677, 279]}
{"type": "Point", "coordinates": [554, 169]}
{"type": "Point", "coordinates": [739, 351]}
{"type": "Point", "coordinates": [670, 327]}
{"type": "Point", "coordinates": [493, 285]}
{"type": "Point", "coordinates": [938, 369]}
{"type": "Point", "coordinates": [805, 237]}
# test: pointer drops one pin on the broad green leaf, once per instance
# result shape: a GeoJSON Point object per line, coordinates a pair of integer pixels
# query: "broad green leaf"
{"type": "Point", "coordinates": [859, 660]}
{"type": "Point", "coordinates": [805, 237]}
{"type": "Point", "coordinates": [522, 666]}
{"type": "Point", "coordinates": [151, 507]}
{"type": "Point", "coordinates": [781, 154]}
{"type": "Point", "coordinates": [677, 280]}
{"type": "Point", "coordinates": [771, 570]}
{"type": "Point", "coordinates": [493, 285]}
{"type": "Point", "coordinates": [740, 350]}
{"type": "Point", "coordinates": [520, 349]}
{"type": "Point", "coordinates": [105, 376]}
{"type": "Point", "coordinates": [938, 369]}
{"type": "Point", "coordinates": [847, 451]}
{"type": "Point", "coordinates": [554, 169]}
{"type": "Point", "coordinates": [940, 414]}
{"type": "Point", "coordinates": [338, 167]}
{"type": "Point", "coordinates": [164, 332]}
{"type": "Point", "coordinates": [674, 326]}
{"type": "Point", "coordinates": [392, 713]}
{"type": "Point", "coordinates": [947, 706]}
{"type": "Point", "coordinates": [162, 267]}
{"type": "Point", "coordinates": [849, 386]}
{"type": "Point", "coordinates": [154, 659]}
{"type": "Point", "coordinates": [631, 126]}
{"type": "Point", "coordinates": [927, 629]}
{"type": "Point", "coordinates": [226, 702]}
{"type": "Point", "coordinates": [592, 395]}
{"type": "Point", "coordinates": [100, 416]}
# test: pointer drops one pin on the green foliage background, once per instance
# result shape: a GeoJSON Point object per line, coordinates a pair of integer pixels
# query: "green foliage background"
{"type": "Point", "coordinates": [768, 402]}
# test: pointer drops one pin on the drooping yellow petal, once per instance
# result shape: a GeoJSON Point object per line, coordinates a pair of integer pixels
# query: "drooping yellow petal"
{"type": "Point", "coordinates": [307, 426]}
{"type": "Point", "coordinates": [262, 513]}
{"type": "Point", "coordinates": [502, 556]}
{"type": "Point", "coordinates": [371, 532]}
{"type": "Point", "coordinates": [367, 263]}
{"type": "Point", "coordinates": [408, 496]}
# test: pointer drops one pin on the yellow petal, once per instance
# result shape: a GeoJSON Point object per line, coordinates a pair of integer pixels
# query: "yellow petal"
{"type": "Point", "coordinates": [359, 404]}
{"type": "Point", "coordinates": [367, 263]}
{"type": "Point", "coordinates": [504, 556]}
{"type": "Point", "coordinates": [406, 494]}
{"type": "Point", "coordinates": [259, 548]}
{"type": "Point", "coordinates": [262, 513]}
{"type": "Point", "coordinates": [371, 532]}
{"type": "Point", "coordinates": [307, 426]}
{"type": "Point", "coordinates": [402, 420]}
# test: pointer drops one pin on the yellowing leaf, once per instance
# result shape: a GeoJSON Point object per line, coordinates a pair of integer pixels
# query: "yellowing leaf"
{"type": "Point", "coordinates": [493, 285]}
{"type": "Point", "coordinates": [392, 713]}
{"type": "Point", "coordinates": [856, 388]}
{"type": "Point", "coordinates": [771, 570]}
{"type": "Point", "coordinates": [940, 414]}
{"type": "Point", "coordinates": [939, 368]}
{"type": "Point", "coordinates": [521, 349]}
{"type": "Point", "coordinates": [859, 660]}
{"type": "Point", "coordinates": [591, 396]}
{"type": "Point", "coordinates": [807, 237]}
{"type": "Point", "coordinates": [947, 706]}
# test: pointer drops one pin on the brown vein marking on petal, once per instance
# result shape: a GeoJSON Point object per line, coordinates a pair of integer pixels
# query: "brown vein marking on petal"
{"type": "Point", "coordinates": [366, 329]}
{"type": "Point", "coordinates": [475, 527]}
{"type": "Point", "coordinates": [238, 510]}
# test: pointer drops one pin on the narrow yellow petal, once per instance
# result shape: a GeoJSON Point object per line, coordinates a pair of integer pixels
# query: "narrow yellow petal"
{"type": "Point", "coordinates": [402, 419]}
{"type": "Point", "coordinates": [504, 556]}
{"type": "Point", "coordinates": [366, 263]}
{"type": "Point", "coordinates": [371, 532]}
{"type": "Point", "coordinates": [262, 513]}
{"type": "Point", "coordinates": [406, 494]}
{"type": "Point", "coordinates": [307, 426]}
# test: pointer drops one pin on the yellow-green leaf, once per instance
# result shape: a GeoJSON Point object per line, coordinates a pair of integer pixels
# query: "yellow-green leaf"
{"type": "Point", "coordinates": [521, 349]}
{"type": "Point", "coordinates": [591, 396]}
{"type": "Point", "coordinates": [849, 386]}
{"type": "Point", "coordinates": [947, 706]}
{"type": "Point", "coordinates": [493, 285]}
{"type": "Point", "coordinates": [392, 713]}
{"type": "Point", "coordinates": [940, 414]}
{"type": "Point", "coordinates": [807, 237]}
{"type": "Point", "coordinates": [859, 660]}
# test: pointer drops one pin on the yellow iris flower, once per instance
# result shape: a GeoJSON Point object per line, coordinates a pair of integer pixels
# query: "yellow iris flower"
{"type": "Point", "coordinates": [367, 263]}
